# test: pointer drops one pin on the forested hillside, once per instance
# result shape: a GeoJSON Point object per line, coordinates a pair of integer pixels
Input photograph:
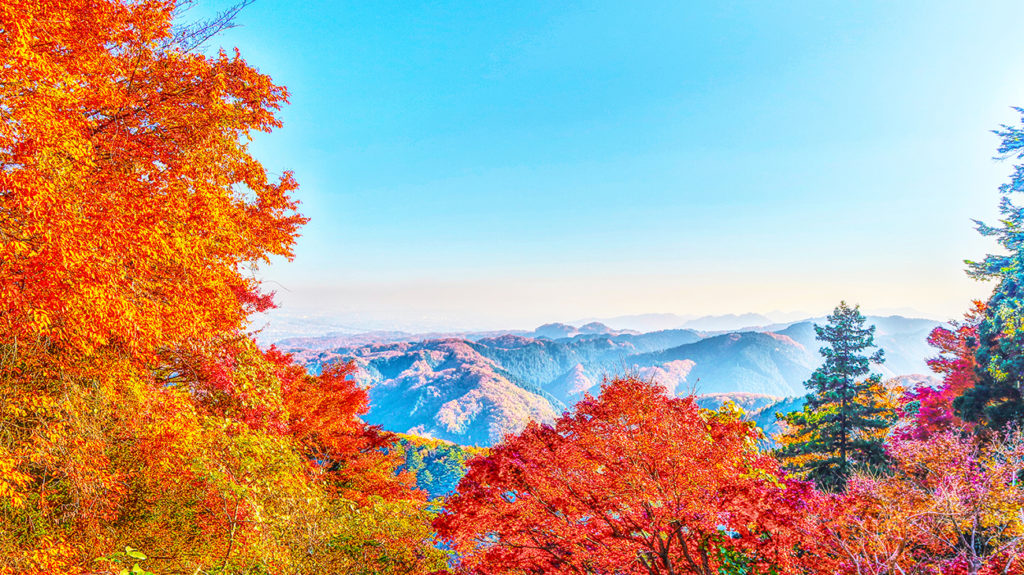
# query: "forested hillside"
{"type": "Point", "coordinates": [474, 389]}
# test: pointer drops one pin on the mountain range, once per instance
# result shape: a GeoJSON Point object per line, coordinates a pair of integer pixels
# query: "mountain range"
{"type": "Point", "coordinates": [473, 388]}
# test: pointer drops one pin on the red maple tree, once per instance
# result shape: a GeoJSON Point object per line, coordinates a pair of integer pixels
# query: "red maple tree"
{"type": "Point", "coordinates": [632, 482]}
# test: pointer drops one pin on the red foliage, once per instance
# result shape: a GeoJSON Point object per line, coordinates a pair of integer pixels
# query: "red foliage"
{"type": "Point", "coordinates": [325, 420]}
{"type": "Point", "coordinates": [633, 482]}
{"type": "Point", "coordinates": [957, 364]}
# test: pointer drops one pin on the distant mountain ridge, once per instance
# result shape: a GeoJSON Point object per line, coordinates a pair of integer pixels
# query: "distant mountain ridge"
{"type": "Point", "coordinates": [473, 388]}
{"type": "Point", "coordinates": [562, 330]}
{"type": "Point", "coordinates": [750, 362]}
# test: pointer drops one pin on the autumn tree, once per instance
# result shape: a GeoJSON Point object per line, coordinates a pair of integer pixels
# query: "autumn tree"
{"type": "Point", "coordinates": [838, 429]}
{"type": "Point", "coordinates": [352, 458]}
{"type": "Point", "coordinates": [951, 506]}
{"type": "Point", "coordinates": [135, 410]}
{"type": "Point", "coordinates": [995, 399]}
{"type": "Point", "coordinates": [131, 215]}
{"type": "Point", "coordinates": [631, 482]}
{"type": "Point", "coordinates": [131, 211]}
{"type": "Point", "coordinates": [930, 409]}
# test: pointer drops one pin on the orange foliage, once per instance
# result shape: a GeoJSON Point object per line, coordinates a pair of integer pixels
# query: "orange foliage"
{"type": "Point", "coordinates": [134, 409]}
{"type": "Point", "coordinates": [131, 209]}
{"type": "Point", "coordinates": [351, 455]}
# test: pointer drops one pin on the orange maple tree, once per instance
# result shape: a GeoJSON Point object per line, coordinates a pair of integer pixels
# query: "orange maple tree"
{"type": "Point", "coordinates": [132, 211]}
{"type": "Point", "coordinates": [136, 413]}
{"type": "Point", "coordinates": [632, 482]}
{"type": "Point", "coordinates": [354, 458]}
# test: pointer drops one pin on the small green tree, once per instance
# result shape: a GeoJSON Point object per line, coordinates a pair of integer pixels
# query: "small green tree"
{"type": "Point", "coordinates": [841, 428]}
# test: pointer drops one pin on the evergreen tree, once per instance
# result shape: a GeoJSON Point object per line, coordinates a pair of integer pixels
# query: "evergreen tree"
{"type": "Point", "coordinates": [841, 428]}
{"type": "Point", "coordinates": [996, 400]}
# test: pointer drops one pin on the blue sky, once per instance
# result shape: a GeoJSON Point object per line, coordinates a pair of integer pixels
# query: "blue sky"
{"type": "Point", "coordinates": [508, 163]}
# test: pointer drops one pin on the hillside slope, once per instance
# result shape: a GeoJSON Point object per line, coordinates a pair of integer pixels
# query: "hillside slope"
{"type": "Point", "coordinates": [475, 388]}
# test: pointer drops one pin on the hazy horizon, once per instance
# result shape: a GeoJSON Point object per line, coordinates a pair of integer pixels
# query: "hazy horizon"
{"type": "Point", "coordinates": [283, 323]}
{"type": "Point", "coordinates": [522, 162]}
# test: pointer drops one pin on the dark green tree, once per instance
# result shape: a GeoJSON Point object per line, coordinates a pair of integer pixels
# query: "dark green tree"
{"type": "Point", "coordinates": [995, 400]}
{"type": "Point", "coordinates": [842, 427]}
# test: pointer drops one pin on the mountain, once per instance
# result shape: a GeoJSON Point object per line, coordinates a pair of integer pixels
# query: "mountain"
{"type": "Point", "coordinates": [335, 340]}
{"type": "Point", "coordinates": [752, 362]}
{"type": "Point", "coordinates": [657, 340]}
{"type": "Point", "coordinates": [905, 341]}
{"type": "Point", "coordinates": [475, 387]}
{"type": "Point", "coordinates": [555, 331]}
{"type": "Point", "coordinates": [473, 392]}
{"type": "Point", "coordinates": [443, 389]}
{"type": "Point", "coordinates": [562, 331]}
{"type": "Point", "coordinates": [571, 385]}
{"type": "Point", "coordinates": [674, 375]}
{"type": "Point", "coordinates": [437, 465]}
{"type": "Point", "coordinates": [644, 323]}
{"type": "Point", "coordinates": [751, 403]}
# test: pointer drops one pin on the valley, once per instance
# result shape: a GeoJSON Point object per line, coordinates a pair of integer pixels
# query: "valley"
{"type": "Point", "coordinates": [474, 388]}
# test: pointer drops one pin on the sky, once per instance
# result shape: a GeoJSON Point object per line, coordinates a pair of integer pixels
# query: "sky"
{"type": "Point", "coordinates": [504, 164]}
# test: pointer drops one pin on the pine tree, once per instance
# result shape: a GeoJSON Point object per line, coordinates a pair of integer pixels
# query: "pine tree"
{"type": "Point", "coordinates": [995, 400]}
{"type": "Point", "coordinates": [838, 430]}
